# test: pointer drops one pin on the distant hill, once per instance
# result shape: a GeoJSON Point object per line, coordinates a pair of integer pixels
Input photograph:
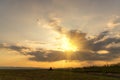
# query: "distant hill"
{"type": "Point", "coordinates": [2, 67]}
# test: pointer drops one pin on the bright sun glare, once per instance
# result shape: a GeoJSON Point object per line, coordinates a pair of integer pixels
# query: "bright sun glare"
{"type": "Point", "coordinates": [67, 45]}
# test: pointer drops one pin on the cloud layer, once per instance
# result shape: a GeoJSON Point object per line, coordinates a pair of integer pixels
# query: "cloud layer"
{"type": "Point", "coordinates": [102, 47]}
{"type": "Point", "coordinates": [96, 49]}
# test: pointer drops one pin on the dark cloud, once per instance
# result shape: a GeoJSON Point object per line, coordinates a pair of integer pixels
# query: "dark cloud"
{"type": "Point", "coordinates": [47, 56]}
{"type": "Point", "coordinates": [55, 24]}
{"type": "Point", "coordinates": [87, 51]}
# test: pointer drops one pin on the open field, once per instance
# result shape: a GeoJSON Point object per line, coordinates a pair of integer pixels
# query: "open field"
{"type": "Point", "coordinates": [44, 74]}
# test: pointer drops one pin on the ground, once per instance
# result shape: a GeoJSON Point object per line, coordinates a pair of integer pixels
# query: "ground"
{"type": "Point", "coordinates": [44, 74]}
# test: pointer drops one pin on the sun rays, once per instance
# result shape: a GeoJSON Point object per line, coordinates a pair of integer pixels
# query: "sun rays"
{"type": "Point", "coordinates": [67, 45]}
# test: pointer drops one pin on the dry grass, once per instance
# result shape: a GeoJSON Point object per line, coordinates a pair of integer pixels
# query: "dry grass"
{"type": "Point", "coordinates": [40, 74]}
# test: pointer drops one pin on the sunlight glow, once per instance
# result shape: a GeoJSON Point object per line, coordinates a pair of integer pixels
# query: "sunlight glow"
{"type": "Point", "coordinates": [67, 45]}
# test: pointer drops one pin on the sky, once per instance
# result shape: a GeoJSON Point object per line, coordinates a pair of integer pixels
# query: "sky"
{"type": "Point", "coordinates": [59, 33]}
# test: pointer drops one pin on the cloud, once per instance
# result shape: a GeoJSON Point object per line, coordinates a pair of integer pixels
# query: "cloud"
{"type": "Point", "coordinates": [76, 37]}
{"type": "Point", "coordinates": [49, 56]}
{"type": "Point", "coordinates": [94, 49]}
{"type": "Point", "coordinates": [102, 47]}
{"type": "Point", "coordinates": [115, 22]}
{"type": "Point", "coordinates": [54, 23]}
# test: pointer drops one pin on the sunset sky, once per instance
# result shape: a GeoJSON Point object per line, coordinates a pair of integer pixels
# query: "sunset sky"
{"type": "Point", "coordinates": [59, 33]}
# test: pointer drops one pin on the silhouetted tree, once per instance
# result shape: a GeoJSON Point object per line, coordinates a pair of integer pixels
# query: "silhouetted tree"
{"type": "Point", "coordinates": [50, 69]}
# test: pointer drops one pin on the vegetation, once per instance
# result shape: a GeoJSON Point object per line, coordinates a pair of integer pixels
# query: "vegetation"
{"type": "Point", "coordinates": [115, 68]}
{"type": "Point", "coordinates": [86, 73]}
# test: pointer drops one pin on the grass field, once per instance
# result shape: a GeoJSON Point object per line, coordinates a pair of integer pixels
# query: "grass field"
{"type": "Point", "coordinates": [44, 74]}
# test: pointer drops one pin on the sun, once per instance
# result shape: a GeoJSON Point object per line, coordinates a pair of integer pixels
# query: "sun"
{"type": "Point", "coordinates": [67, 45]}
